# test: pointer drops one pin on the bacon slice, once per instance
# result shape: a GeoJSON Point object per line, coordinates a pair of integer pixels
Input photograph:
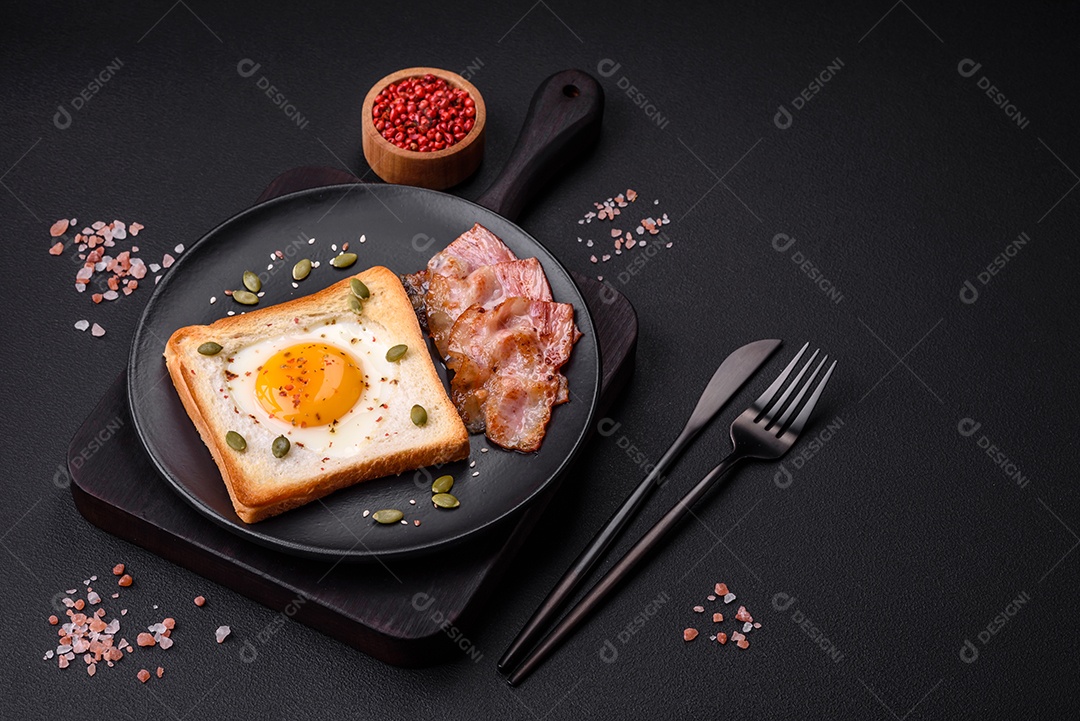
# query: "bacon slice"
{"type": "Point", "coordinates": [471, 250]}
{"type": "Point", "coordinates": [487, 286]}
{"type": "Point", "coordinates": [475, 247]}
{"type": "Point", "coordinates": [506, 364]}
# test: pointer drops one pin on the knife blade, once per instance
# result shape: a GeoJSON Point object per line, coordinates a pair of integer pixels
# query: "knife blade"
{"type": "Point", "coordinates": [736, 369]}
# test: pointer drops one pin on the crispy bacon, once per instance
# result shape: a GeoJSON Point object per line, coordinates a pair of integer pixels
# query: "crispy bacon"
{"type": "Point", "coordinates": [471, 250]}
{"type": "Point", "coordinates": [506, 364]}
{"type": "Point", "coordinates": [487, 286]}
{"type": "Point", "coordinates": [475, 247]}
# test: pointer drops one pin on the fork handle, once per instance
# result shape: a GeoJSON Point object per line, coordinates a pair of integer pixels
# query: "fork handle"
{"type": "Point", "coordinates": [622, 569]}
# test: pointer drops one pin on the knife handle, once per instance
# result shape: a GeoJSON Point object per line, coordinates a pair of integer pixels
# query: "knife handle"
{"type": "Point", "coordinates": [621, 570]}
{"type": "Point", "coordinates": [589, 557]}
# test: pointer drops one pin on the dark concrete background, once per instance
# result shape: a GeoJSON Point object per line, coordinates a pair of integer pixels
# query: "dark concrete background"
{"type": "Point", "coordinates": [899, 541]}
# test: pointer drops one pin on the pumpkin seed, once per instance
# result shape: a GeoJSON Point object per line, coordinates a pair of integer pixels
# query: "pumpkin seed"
{"type": "Point", "coordinates": [301, 269]}
{"type": "Point", "coordinates": [418, 415]}
{"type": "Point", "coordinates": [236, 441]}
{"type": "Point", "coordinates": [442, 484]}
{"type": "Point", "coordinates": [252, 282]}
{"type": "Point", "coordinates": [344, 260]}
{"type": "Point", "coordinates": [280, 447]}
{"type": "Point", "coordinates": [354, 304]}
{"type": "Point", "coordinates": [359, 289]}
{"type": "Point", "coordinates": [388, 515]}
{"type": "Point", "coordinates": [209, 348]}
{"type": "Point", "coordinates": [445, 500]}
{"type": "Point", "coordinates": [245, 297]}
{"type": "Point", "coordinates": [396, 353]}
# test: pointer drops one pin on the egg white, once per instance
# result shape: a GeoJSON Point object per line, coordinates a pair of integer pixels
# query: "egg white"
{"type": "Point", "coordinates": [356, 428]}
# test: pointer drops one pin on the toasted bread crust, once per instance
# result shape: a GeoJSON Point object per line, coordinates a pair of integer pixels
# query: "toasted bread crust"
{"type": "Point", "coordinates": [255, 501]}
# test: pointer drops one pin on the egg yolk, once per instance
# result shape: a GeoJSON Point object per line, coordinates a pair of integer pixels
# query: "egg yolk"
{"type": "Point", "coordinates": [309, 384]}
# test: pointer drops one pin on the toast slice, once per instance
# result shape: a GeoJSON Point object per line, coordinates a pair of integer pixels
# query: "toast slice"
{"type": "Point", "coordinates": [377, 437]}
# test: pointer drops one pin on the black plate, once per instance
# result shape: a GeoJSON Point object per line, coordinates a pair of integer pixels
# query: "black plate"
{"type": "Point", "coordinates": [404, 226]}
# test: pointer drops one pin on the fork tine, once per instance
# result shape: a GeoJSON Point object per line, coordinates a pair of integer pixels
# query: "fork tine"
{"type": "Point", "coordinates": [774, 410]}
{"type": "Point", "coordinates": [765, 398]}
{"type": "Point", "coordinates": [800, 420]}
{"type": "Point", "coordinates": [790, 410]}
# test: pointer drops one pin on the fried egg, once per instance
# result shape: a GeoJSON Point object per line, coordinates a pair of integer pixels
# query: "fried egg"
{"type": "Point", "coordinates": [324, 388]}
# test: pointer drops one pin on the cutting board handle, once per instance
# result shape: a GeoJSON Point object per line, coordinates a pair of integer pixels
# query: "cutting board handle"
{"type": "Point", "coordinates": [563, 122]}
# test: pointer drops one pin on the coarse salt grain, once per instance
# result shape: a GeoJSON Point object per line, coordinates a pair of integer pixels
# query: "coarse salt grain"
{"type": "Point", "coordinates": [222, 633]}
{"type": "Point", "coordinates": [82, 324]}
{"type": "Point", "coordinates": [97, 331]}
{"type": "Point", "coordinates": [689, 634]}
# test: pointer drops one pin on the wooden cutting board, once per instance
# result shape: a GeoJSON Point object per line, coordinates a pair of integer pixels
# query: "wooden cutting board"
{"type": "Point", "coordinates": [416, 616]}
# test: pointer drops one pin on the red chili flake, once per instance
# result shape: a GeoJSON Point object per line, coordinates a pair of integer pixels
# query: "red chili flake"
{"type": "Point", "coordinates": [689, 634]}
{"type": "Point", "coordinates": [423, 114]}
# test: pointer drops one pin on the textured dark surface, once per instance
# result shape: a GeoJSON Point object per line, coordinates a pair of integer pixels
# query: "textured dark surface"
{"type": "Point", "coordinates": [899, 539]}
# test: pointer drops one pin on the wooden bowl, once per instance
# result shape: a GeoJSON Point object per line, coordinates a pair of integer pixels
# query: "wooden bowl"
{"type": "Point", "coordinates": [436, 170]}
